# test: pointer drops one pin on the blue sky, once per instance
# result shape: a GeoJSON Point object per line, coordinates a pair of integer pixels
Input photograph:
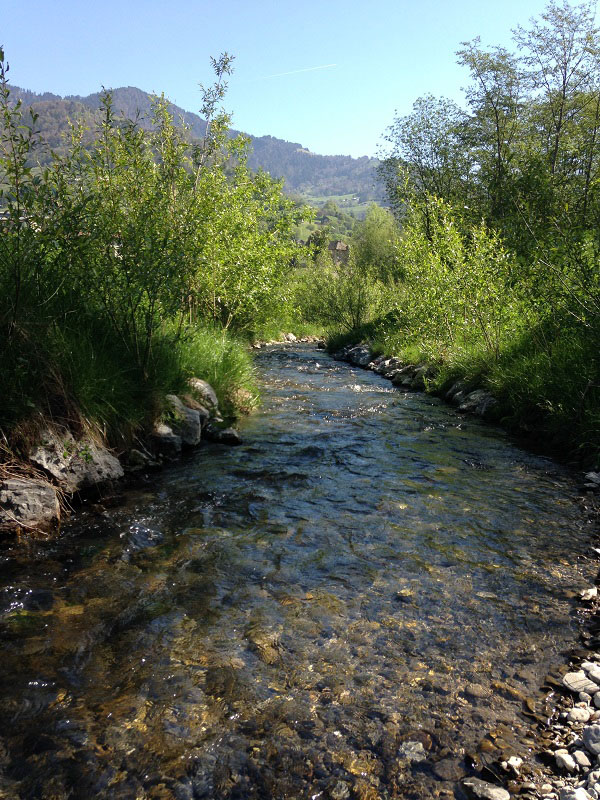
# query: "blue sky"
{"type": "Point", "coordinates": [386, 54]}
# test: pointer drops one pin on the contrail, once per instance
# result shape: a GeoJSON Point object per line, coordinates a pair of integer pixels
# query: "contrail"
{"type": "Point", "coordinates": [296, 71]}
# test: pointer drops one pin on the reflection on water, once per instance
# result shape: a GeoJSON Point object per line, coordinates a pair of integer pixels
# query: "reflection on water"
{"type": "Point", "coordinates": [279, 620]}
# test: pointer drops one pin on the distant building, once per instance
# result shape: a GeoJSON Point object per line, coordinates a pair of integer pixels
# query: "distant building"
{"type": "Point", "coordinates": [339, 252]}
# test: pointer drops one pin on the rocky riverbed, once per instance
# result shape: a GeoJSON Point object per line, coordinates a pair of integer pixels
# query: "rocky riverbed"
{"type": "Point", "coordinates": [563, 759]}
{"type": "Point", "coordinates": [371, 597]}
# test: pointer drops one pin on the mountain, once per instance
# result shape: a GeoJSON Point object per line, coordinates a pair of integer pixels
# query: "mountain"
{"type": "Point", "coordinates": [305, 173]}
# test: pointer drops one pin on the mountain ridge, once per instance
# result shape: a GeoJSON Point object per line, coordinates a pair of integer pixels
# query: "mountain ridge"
{"type": "Point", "coordinates": [304, 172]}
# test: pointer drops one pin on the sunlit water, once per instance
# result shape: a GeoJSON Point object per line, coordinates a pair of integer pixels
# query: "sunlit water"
{"type": "Point", "coordinates": [277, 620]}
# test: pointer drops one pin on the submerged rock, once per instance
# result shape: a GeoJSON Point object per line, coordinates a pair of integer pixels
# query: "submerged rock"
{"type": "Point", "coordinates": [412, 751]}
{"type": "Point", "coordinates": [28, 503]}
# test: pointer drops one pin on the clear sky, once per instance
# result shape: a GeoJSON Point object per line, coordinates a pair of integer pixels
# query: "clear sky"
{"type": "Point", "coordinates": [386, 54]}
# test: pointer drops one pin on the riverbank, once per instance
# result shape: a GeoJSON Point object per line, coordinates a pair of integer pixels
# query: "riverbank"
{"type": "Point", "coordinates": [59, 469]}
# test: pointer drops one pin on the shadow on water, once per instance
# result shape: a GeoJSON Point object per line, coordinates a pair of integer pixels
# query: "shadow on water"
{"type": "Point", "coordinates": [281, 619]}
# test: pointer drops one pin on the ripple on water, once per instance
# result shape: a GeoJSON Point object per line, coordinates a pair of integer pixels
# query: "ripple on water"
{"type": "Point", "coordinates": [368, 577]}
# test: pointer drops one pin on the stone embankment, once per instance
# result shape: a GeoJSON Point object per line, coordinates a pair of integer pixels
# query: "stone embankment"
{"type": "Point", "coordinates": [60, 467]}
{"type": "Point", "coordinates": [415, 377]}
{"type": "Point", "coordinates": [566, 763]}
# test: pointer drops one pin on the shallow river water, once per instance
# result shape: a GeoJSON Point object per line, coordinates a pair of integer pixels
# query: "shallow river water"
{"type": "Point", "coordinates": [339, 608]}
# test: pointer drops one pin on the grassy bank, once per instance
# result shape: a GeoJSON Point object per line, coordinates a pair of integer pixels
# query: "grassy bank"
{"type": "Point", "coordinates": [546, 379]}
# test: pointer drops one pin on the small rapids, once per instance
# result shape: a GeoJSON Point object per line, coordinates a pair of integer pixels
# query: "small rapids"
{"type": "Point", "coordinates": [342, 607]}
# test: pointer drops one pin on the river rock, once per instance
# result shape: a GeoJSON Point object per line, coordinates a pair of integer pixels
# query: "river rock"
{"type": "Point", "coordinates": [592, 670]}
{"type": "Point", "coordinates": [290, 337]}
{"type": "Point", "coordinates": [591, 738]}
{"type": "Point", "coordinates": [485, 791]}
{"type": "Point", "coordinates": [75, 465]}
{"type": "Point", "coordinates": [360, 355]}
{"type": "Point", "coordinates": [223, 435]}
{"type": "Point", "coordinates": [138, 460]}
{"type": "Point", "coordinates": [579, 715]}
{"type": "Point", "coordinates": [388, 366]}
{"type": "Point", "coordinates": [339, 791]}
{"type": "Point", "coordinates": [28, 503]}
{"type": "Point", "coordinates": [579, 682]}
{"type": "Point", "coordinates": [581, 759]}
{"type": "Point", "coordinates": [418, 381]}
{"type": "Point", "coordinates": [478, 402]}
{"type": "Point", "coordinates": [570, 793]}
{"type": "Point", "coordinates": [565, 760]}
{"type": "Point", "coordinates": [165, 442]}
{"type": "Point", "coordinates": [449, 769]}
{"type": "Point", "coordinates": [456, 392]}
{"type": "Point", "coordinates": [187, 423]}
{"type": "Point", "coordinates": [412, 751]}
{"type": "Point", "coordinates": [206, 394]}
{"type": "Point", "coordinates": [476, 691]}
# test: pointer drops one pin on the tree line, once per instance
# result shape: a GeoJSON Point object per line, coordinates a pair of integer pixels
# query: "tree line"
{"type": "Point", "coordinates": [492, 267]}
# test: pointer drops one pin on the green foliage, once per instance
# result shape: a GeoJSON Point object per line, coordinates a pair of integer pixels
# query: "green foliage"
{"type": "Point", "coordinates": [500, 247]}
{"type": "Point", "coordinates": [117, 255]}
{"type": "Point", "coordinates": [339, 296]}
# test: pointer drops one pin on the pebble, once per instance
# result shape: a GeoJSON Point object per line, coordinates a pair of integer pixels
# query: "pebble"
{"type": "Point", "coordinates": [592, 670]}
{"type": "Point", "coordinates": [597, 699]}
{"type": "Point", "coordinates": [565, 761]}
{"type": "Point", "coordinates": [585, 697]}
{"type": "Point", "coordinates": [582, 759]}
{"type": "Point", "coordinates": [579, 714]}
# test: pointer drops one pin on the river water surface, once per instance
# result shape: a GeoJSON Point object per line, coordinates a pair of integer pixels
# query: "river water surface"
{"type": "Point", "coordinates": [341, 607]}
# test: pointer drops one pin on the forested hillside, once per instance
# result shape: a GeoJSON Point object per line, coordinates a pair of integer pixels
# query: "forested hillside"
{"type": "Point", "coordinates": [305, 173]}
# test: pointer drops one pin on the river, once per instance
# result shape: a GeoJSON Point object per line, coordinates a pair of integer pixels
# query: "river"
{"type": "Point", "coordinates": [343, 606]}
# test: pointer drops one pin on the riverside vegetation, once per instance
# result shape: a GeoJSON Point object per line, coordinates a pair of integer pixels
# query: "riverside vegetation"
{"type": "Point", "coordinates": [133, 260]}
{"type": "Point", "coordinates": [137, 256]}
{"type": "Point", "coordinates": [488, 267]}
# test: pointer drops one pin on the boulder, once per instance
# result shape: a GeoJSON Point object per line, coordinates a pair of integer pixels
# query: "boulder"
{"type": "Point", "coordinates": [360, 355]}
{"type": "Point", "coordinates": [28, 503]}
{"type": "Point", "coordinates": [477, 402]}
{"type": "Point", "coordinates": [75, 465]}
{"type": "Point", "coordinates": [187, 421]}
{"type": "Point", "coordinates": [289, 337]}
{"type": "Point", "coordinates": [389, 366]}
{"type": "Point", "coordinates": [165, 442]}
{"type": "Point", "coordinates": [223, 435]}
{"type": "Point", "coordinates": [205, 394]}
{"type": "Point", "coordinates": [139, 460]}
